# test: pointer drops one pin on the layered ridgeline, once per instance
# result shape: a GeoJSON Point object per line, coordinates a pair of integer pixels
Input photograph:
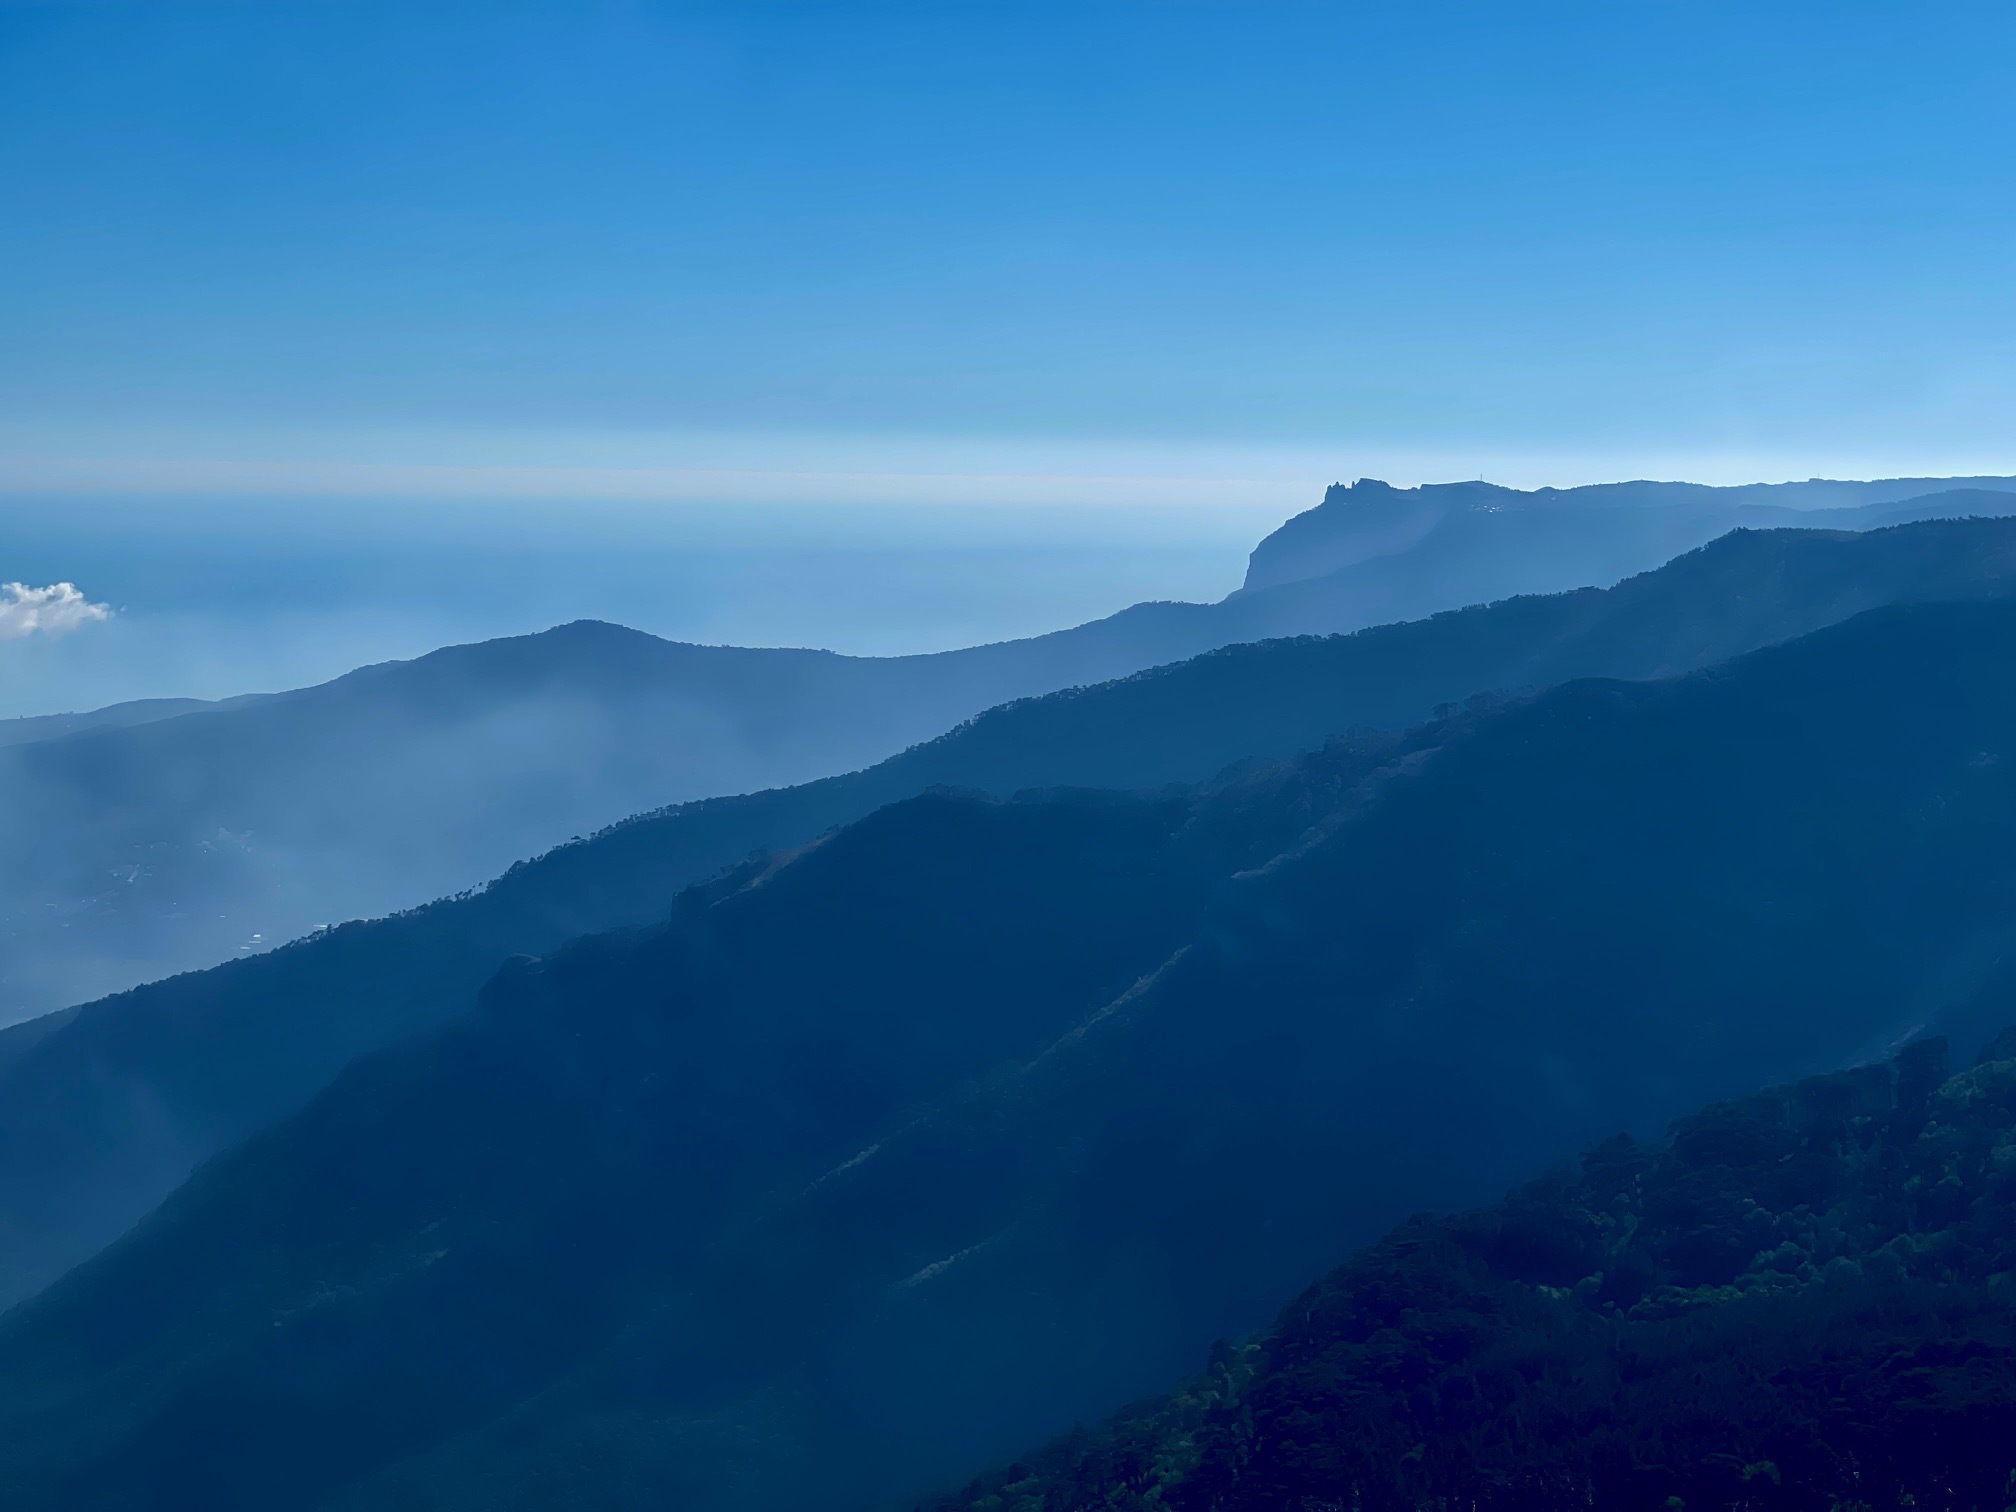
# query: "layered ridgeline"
{"type": "Point", "coordinates": [869, 1166]}
{"type": "Point", "coordinates": [1399, 553]}
{"type": "Point", "coordinates": [1799, 1300]}
{"type": "Point", "coordinates": [154, 838]}
{"type": "Point", "coordinates": [104, 1110]}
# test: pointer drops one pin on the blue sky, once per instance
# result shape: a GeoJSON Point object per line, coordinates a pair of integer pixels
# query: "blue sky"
{"type": "Point", "coordinates": [333, 331]}
{"type": "Point", "coordinates": [1242, 241]}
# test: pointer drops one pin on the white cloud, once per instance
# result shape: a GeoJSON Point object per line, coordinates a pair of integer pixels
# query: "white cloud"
{"type": "Point", "coordinates": [54, 610]}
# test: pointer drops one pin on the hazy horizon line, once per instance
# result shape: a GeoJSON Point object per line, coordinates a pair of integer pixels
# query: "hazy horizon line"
{"type": "Point", "coordinates": [809, 468]}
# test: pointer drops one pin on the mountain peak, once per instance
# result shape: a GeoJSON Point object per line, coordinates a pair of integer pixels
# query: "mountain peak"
{"type": "Point", "coordinates": [1364, 488]}
{"type": "Point", "coordinates": [1490, 541]}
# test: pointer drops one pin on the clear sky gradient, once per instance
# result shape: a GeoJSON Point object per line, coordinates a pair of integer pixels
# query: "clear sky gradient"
{"type": "Point", "coordinates": [802, 244]}
{"type": "Point", "coordinates": [334, 331]}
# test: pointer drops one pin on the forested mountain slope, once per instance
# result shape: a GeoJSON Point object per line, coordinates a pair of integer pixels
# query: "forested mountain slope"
{"type": "Point", "coordinates": [102, 1114]}
{"type": "Point", "coordinates": [701, 1217]}
{"type": "Point", "coordinates": [1799, 1300]}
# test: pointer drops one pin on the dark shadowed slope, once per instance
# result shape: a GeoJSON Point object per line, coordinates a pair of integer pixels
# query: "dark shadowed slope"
{"type": "Point", "coordinates": [147, 844]}
{"type": "Point", "coordinates": [1798, 1301]}
{"type": "Point", "coordinates": [610, 1240]}
{"type": "Point", "coordinates": [787, 1012]}
{"type": "Point", "coordinates": [105, 1112]}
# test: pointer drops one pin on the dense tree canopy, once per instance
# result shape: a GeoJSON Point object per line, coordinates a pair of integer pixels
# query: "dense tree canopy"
{"type": "Point", "coordinates": [1800, 1300]}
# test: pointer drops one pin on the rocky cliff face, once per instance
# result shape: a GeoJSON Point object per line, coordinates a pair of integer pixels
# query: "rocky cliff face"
{"type": "Point", "coordinates": [1462, 543]}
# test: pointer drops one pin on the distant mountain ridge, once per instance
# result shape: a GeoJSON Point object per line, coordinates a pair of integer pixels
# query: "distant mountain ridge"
{"type": "Point", "coordinates": [139, 711]}
{"type": "Point", "coordinates": [152, 840]}
{"type": "Point", "coordinates": [104, 1112]}
{"type": "Point", "coordinates": [156, 837]}
{"type": "Point", "coordinates": [1474, 542]}
{"type": "Point", "coordinates": [1041, 1097]}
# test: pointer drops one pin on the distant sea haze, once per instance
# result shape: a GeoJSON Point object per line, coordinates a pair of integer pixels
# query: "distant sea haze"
{"type": "Point", "coordinates": [211, 600]}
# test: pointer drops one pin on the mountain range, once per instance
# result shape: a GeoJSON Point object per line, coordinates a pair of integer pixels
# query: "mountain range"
{"type": "Point", "coordinates": [158, 837]}
{"type": "Point", "coordinates": [1796, 1299]}
{"type": "Point", "coordinates": [104, 1109]}
{"type": "Point", "coordinates": [889, 1153]}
